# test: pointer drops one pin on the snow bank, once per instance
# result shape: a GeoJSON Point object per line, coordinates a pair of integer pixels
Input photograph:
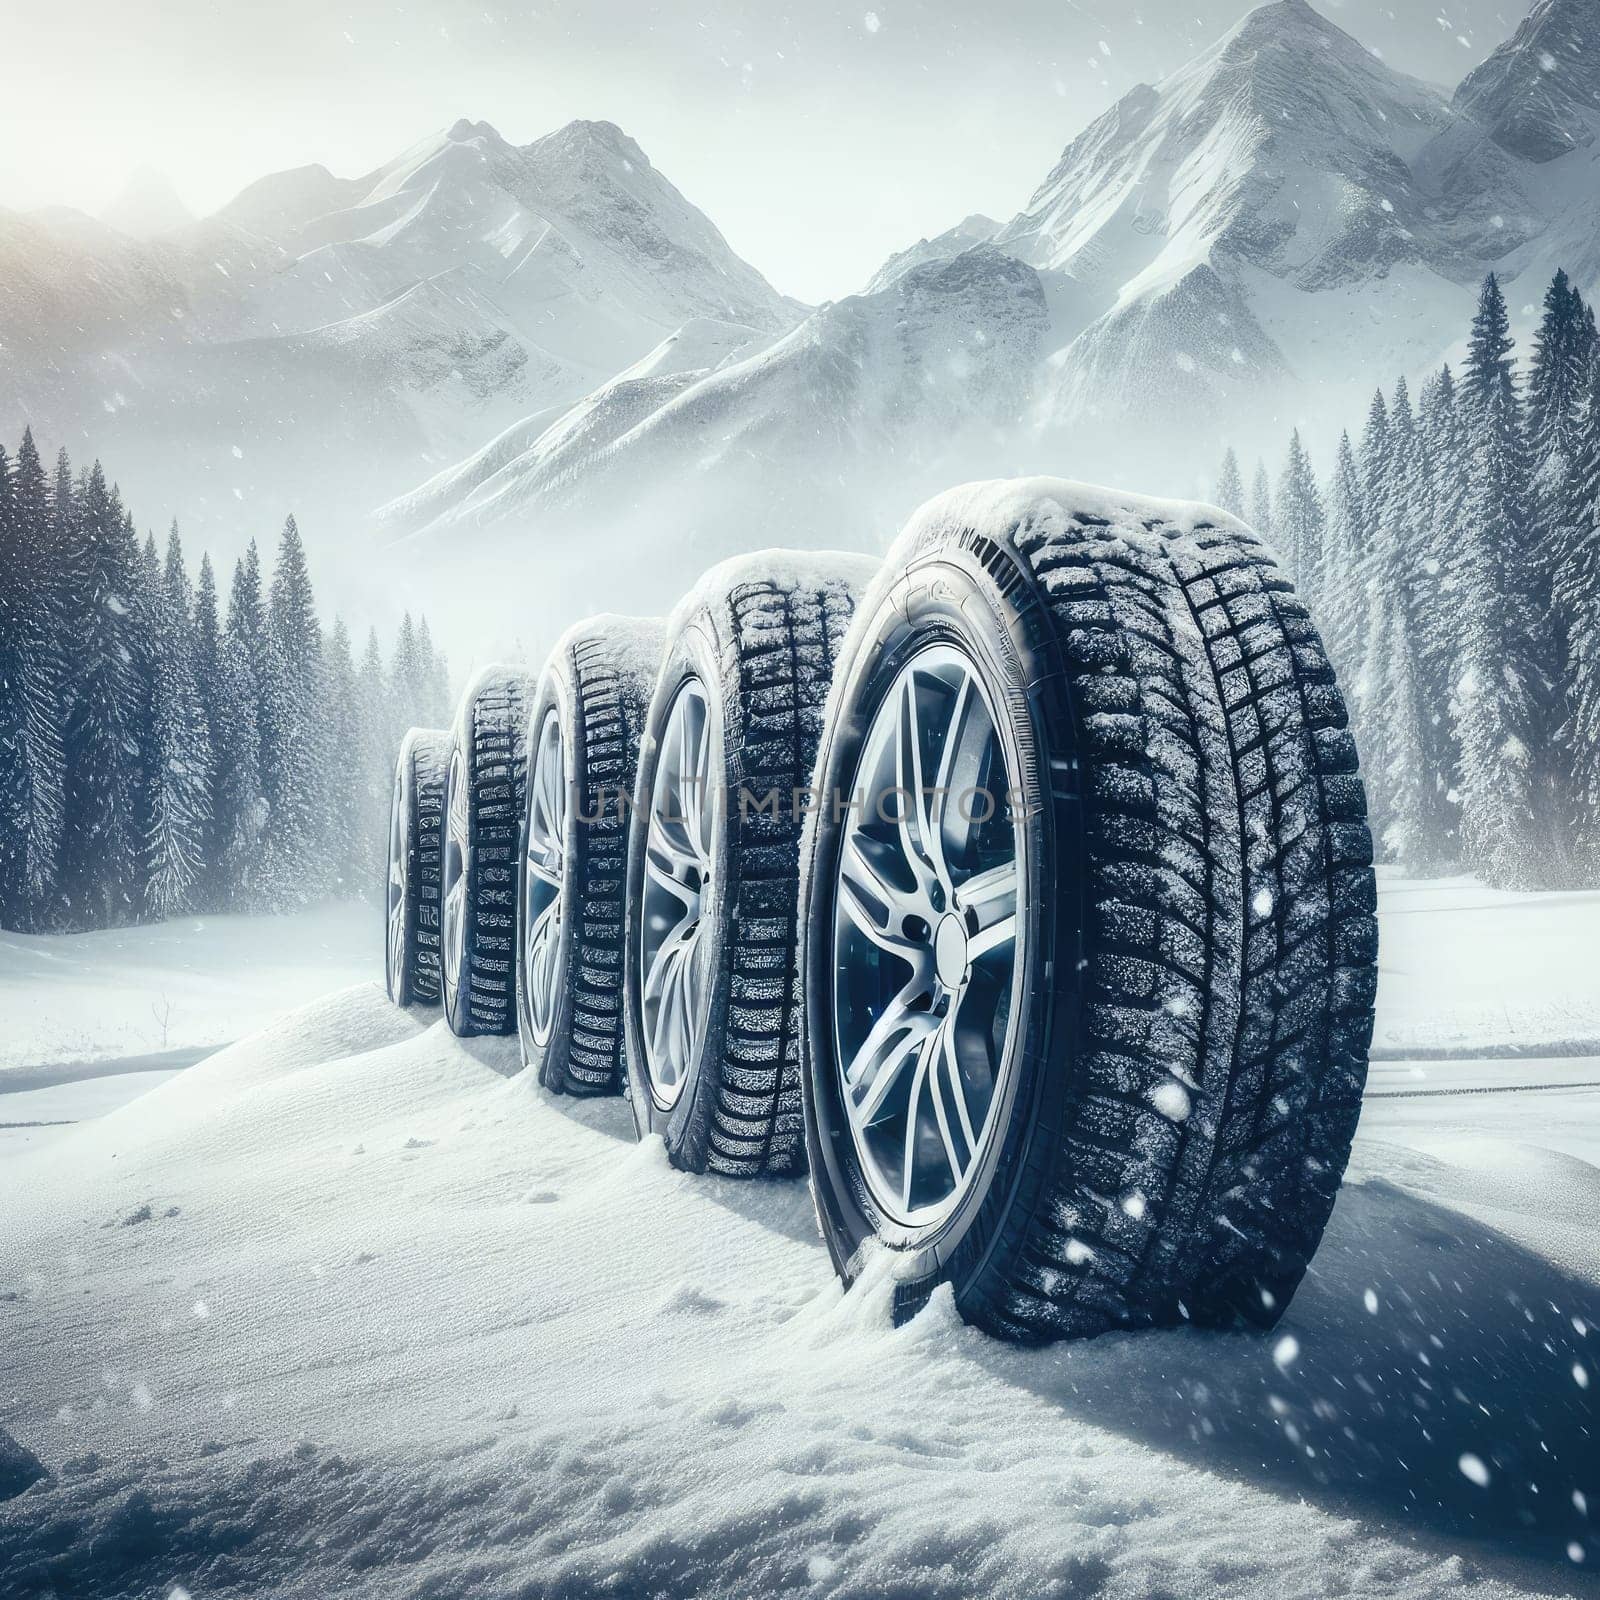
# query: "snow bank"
{"type": "Point", "coordinates": [345, 1310]}
{"type": "Point", "coordinates": [88, 1000]}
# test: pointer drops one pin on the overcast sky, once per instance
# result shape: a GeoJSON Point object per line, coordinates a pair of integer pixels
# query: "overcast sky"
{"type": "Point", "coordinates": [819, 138]}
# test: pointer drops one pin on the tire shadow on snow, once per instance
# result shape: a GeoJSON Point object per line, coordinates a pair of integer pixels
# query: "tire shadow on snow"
{"type": "Point", "coordinates": [1430, 1372]}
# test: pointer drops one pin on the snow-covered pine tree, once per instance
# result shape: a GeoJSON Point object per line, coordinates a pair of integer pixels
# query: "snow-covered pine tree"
{"type": "Point", "coordinates": [238, 804]}
{"type": "Point", "coordinates": [1301, 523]}
{"type": "Point", "coordinates": [207, 637]}
{"type": "Point", "coordinates": [1261, 507]}
{"type": "Point", "coordinates": [33, 693]}
{"type": "Point", "coordinates": [1500, 693]}
{"type": "Point", "coordinates": [178, 765]}
{"type": "Point", "coordinates": [1576, 595]}
{"type": "Point", "coordinates": [295, 749]}
{"type": "Point", "coordinates": [343, 847]}
{"type": "Point", "coordinates": [377, 759]}
{"type": "Point", "coordinates": [1443, 463]}
{"type": "Point", "coordinates": [100, 843]}
{"type": "Point", "coordinates": [406, 683]}
{"type": "Point", "coordinates": [1340, 609]}
{"type": "Point", "coordinates": [432, 708]}
{"type": "Point", "coordinates": [1556, 392]}
{"type": "Point", "coordinates": [1402, 786]}
{"type": "Point", "coordinates": [1230, 486]}
{"type": "Point", "coordinates": [1373, 464]}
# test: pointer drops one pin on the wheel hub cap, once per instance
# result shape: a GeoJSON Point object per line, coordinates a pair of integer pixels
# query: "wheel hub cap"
{"type": "Point", "coordinates": [950, 952]}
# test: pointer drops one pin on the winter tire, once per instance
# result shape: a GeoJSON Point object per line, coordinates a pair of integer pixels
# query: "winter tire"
{"type": "Point", "coordinates": [483, 808]}
{"type": "Point", "coordinates": [416, 813]}
{"type": "Point", "coordinates": [710, 989]}
{"type": "Point", "coordinates": [583, 744]}
{"type": "Point", "coordinates": [1095, 1060]}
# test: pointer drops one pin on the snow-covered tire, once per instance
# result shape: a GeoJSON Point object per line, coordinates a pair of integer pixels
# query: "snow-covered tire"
{"type": "Point", "coordinates": [1164, 1081]}
{"type": "Point", "coordinates": [747, 663]}
{"type": "Point", "coordinates": [584, 732]}
{"type": "Point", "coordinates": [416, 816]}
{"type": "Point", "coordinates": [478, 890]}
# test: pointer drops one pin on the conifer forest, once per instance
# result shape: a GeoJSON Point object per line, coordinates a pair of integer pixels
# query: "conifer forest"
{"type": "Point", "coordinates": [168, 748]}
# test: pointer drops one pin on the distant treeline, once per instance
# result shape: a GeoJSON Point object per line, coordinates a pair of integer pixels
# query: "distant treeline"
{"type": "Point", "coordinates": [160, 757]}
{"type": "Point", "coordinates": [1452, 561]}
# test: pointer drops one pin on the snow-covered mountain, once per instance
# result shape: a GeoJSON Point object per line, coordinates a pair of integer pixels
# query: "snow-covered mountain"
{"type": "Point", "coordinates": [812, 440]}
{"type": "Point", "coordinates": [976, 229]}
{"type": "Point", "coordinates": [1252, 241]}
{"type": "Point", "coordinates": [146, 207]}
{"type": "Point", "coordinates": [1539, 93]}
{"type": "Point", "coordinates": [1256, 231]}
{"type": "Point", "coordinates": [321, 340]}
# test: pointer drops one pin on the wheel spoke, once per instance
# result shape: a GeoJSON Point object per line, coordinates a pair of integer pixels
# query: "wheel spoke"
{"type": "Point", "coordinates": [891, 1041]}
{"type": "Point", "coordinates": [911, 801]}
{"type": "Point", "coordinates": [937, 809]}
{"type": "Point", "coordinates": [913, 1110]}
{"type": "Point", "coordinates": [948, 1086]}
{"type": "Point", "coordinates": [878, 907]}
{"type": "Point", "coordinates": [989, 900]}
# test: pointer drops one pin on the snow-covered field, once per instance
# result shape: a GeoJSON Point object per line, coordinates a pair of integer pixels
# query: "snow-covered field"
{"type": "Point", "coordinates": [347, 1309]}
{"type": "Point", "coordinates": [195, 983]}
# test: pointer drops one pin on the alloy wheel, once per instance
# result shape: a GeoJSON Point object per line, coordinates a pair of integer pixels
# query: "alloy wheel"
{"type": "Point", "coordinates": [455, 870]}
{"type": "Point", "coordinates": [677, 880]}
{"type": "Point", "coordinates": [544, 877]}
{"type": "Point", "coordinates": [925, 940]}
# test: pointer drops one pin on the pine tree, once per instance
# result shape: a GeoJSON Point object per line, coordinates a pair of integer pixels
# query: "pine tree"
{"type": "Point", "coordinates": [1230, 486]}
{"type": "Point", "coordinates": [1576, 593]}
{"type": "Point", "coordinates": [1556, 391]}
{"type": "Point", "coordinates": [177, 772]}
{"type": "Point", "coordinates": [407, 686]}
{"type": "Point", "coordinates": [376, 762]}
{"type": "Point", "coordinates": [344, 848]}
{"type": "Point", "coordinates": [432, 709]}
{"type": "Point", "coordinates": [1443, 459]}
{"type": "Point", "coordinates": [238, 806]}
{"type": "Point", "coordinates": [1301, 523]}
{"type": "Point", "coordinates": [1341, 562]}
{"type": "Point", "coordinates": [100, 846]}
{"type": "Point", "coordinates": [294, 743]}
{"type": "Point", "coordinates": [1500, 694]}
{"type": "Point", "coordinates": [1261, 518]}
{"type": "Point", "coordinates": [207, 637]}
{"type": "Point", "coordinates": [33, 693]}
{"type": "Point", "coordinates": [1402, 786]}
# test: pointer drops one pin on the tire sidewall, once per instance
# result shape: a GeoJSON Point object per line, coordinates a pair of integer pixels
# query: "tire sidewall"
{"type": "Point", "coordinates": [693, 653]}
{"type": "Point", "coordinates": [952, 596]}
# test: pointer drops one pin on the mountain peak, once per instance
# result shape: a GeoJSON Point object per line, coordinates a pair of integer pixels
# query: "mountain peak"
{"type": "Point", "coordinates": [148, 205]}
{"type": "Point", "coordinates": [1539, 93]}
{"type": "Point", "coordinates": [464, 129]}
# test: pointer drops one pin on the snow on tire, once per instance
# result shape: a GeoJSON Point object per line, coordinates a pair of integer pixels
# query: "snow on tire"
{"type": "Point", "coordinates": [584, 731]}
{"type": "Point", "coordinates": [483, 810]}
{"type": "Point", "coordinates": [710, 990]}
{"type": "Point", "coordinates": [416, 814]}
{"type": "Point", "coordinates": [1086, 1024]}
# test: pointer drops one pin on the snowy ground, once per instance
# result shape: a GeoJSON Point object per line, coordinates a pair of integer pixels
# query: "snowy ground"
{"type": "Point", "coordinates": [195, 982]}
{"type": "Point", "coordinates": [347, 1309]}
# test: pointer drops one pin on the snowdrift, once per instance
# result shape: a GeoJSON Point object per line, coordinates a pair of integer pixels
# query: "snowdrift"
{"type": "Point", "coordinates": [349, 1308]}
